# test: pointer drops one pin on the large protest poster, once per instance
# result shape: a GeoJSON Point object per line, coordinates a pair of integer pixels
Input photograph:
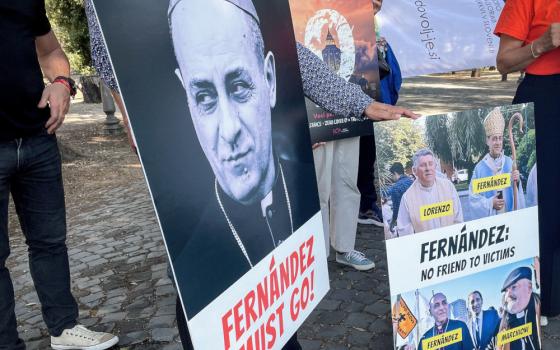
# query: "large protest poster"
{"type": "Point", "coordinates": [440, 36]}
{"type": "Point", "coordinates": [342, 34]}
{"type": "Point", "coordinates": [460, 218]}
{"type": "Point", "coordinates": [214, 95]}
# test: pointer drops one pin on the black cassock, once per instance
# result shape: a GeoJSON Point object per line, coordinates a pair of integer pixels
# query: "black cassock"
{"type": "Point", "coordinates": [212, 260]}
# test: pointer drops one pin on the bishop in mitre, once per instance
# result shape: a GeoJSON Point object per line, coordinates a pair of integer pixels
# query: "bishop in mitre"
{"type": "Point", "coordinates": [494, 163]}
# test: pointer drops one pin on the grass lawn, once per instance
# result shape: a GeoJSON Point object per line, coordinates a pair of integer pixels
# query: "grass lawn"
{"type": "Point", "coordinates": [462, 186]}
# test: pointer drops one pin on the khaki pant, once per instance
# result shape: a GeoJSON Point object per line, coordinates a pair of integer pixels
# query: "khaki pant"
{"type": "Point", "coordinates": [336, 165]}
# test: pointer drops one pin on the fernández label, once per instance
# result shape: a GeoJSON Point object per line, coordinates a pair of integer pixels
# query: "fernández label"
{"type": "Point", "coordinates": [491, 183]}
{"type": "Point", "coordinates": [442, 340]}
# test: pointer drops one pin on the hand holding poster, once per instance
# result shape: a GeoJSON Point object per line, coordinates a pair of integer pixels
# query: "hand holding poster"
{"type": "Point", "coordinates": [219, 116]}
{"type": "Point", "coordinates": [440, 36]}
{"type": "Point", "coordinates": [469, 245]}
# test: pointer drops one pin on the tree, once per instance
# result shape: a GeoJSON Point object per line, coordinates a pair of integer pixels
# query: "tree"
{"type": "Point", "coordinates": [437, 137]}
{"type": "Point", "coordinates": [467, 138]}
{"type": "Point", "coordinates": [69, 22]}
{"type": "Point", "coordinates": [526, 154]}
{"type": "Point", "coordinates": [396, 141]}
{"type": "Point", "coordinates": [459, 137]}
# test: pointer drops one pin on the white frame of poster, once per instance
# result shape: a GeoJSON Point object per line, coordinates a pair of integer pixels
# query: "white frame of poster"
{"type": "Point", "coordinates": [435, 260]}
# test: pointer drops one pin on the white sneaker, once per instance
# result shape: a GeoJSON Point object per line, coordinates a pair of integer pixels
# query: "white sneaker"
{"type": "Point", "coordinates": [544, 321]}
{"type": "Point", "coordinates": [81, 338]}
{"type": "Point", "coordinates": [355, 259]}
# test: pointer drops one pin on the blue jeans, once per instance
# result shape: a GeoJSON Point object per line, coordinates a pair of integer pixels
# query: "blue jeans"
{"type": "Point", "coordinates": [30, 168]}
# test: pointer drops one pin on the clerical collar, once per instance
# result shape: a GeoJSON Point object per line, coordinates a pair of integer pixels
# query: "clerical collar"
{"type": "Point", "coordinates": [496, 164]}
{"type": "Point", "coordinates": [427, 189]}
{"type": "Point", "coordinates": [267, 201]}
{"type": "Point", "coordinates": [498, 160]}
{"type": "Point", "coordinates": [265, 204]}
{"type": "Point", "coordinates": [441, 328]}
{"type": "Point", "coordinates": [443, 324]}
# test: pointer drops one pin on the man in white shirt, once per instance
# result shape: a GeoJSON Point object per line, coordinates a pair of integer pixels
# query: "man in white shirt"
{"type": "Point", "coordinates": [430, 202]}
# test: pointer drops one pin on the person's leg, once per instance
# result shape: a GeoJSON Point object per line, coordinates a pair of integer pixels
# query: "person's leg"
{"type": "Point", "coordinates": [182, 326]}
{"type": "Point", "coordinates": [292, 344]}
{"type": "Point", "coordinates": [541, 91]}
{"type": "Point", "coordinates": [323, 157]}
{"type": "Point", "coordinates": [38, 194]}
{"type": "Point", "coordinates": [549, 223]}
{"type": "Point", "coordinates": [365, 173]}
{"type": "Point", "coordinates": [345, 196]}
{"type": "Point", "coordinates": [9, 339]}
{"type": "Point", "coordinates": [129, 133]}
{"type": "Point", "coordinates": [370, 213]}
{"type": "Point", "coordinates": [345, 205]}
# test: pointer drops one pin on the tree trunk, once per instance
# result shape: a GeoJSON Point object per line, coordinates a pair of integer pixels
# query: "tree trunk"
{"type": "Point", "coordinates": [90, 89]}
{"type": "Point", "coordinates": [475, 73]}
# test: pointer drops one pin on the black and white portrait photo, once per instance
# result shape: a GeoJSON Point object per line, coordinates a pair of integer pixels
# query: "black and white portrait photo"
{"type": "Point", "coordinates": [230, 84]}
{"type": "Point", "coordinates": [216, 103]}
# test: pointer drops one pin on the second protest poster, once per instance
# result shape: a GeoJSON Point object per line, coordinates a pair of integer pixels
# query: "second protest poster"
{"type": "Point", "coordinates": [461, 223]}
{"type": "Point", "coordinates": [341, 33]}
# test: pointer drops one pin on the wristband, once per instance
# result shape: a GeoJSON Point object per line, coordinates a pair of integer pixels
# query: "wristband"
{"type": "Point", "coordinates": [68, 83]}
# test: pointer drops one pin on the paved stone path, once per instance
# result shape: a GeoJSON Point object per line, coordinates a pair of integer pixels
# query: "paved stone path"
{"type": "Point", "coordinates": [118, 261]}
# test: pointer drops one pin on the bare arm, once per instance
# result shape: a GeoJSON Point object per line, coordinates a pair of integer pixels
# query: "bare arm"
{"type": "Point", "coordinates": [54, 63]}
{"type": "Point", "coordinates": [52, 59]}
{"type": "Point", "coordinates": [514, 56]}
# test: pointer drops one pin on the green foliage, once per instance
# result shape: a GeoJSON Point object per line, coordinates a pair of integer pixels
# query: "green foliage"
{"type": "Point", "coordinates": [456, 138]}
{"type": "Point", "coordinates": [396, 142]}
{"type": "Point", "coordinates": [467, 138]}
{"type": "Point", "coordinates": [69, 23]}
{"type": "Point", "coordinates": [437, 137]}
{"type": "Point", "coordinates": [459, 138]}
{"type": "Point", "coordinates": [524, 141]}
{"type": "Point", "coordinates": [526, 154]}
{"type": "Point", "coordinates": [527, 111]}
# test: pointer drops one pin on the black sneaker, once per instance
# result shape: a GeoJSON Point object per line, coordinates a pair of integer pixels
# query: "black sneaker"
{"type": "Point", "coordinates": [370, 218]}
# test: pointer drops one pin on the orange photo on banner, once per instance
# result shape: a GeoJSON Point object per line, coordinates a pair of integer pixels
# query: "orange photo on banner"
{"type": "Point", "coordinates": [406, 319]}
{"type": "Point", "coordinates": [342, 34]}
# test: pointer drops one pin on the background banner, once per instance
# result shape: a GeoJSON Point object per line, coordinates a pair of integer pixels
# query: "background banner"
{"type": "Point", "coordinates": [440, 36]}
{"type": "Point", "coordinates": [214, 95]}
{"type": "Point", "coordinates": [461, 221]}
{"type": "Point", "coordinates": [341, 33]}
